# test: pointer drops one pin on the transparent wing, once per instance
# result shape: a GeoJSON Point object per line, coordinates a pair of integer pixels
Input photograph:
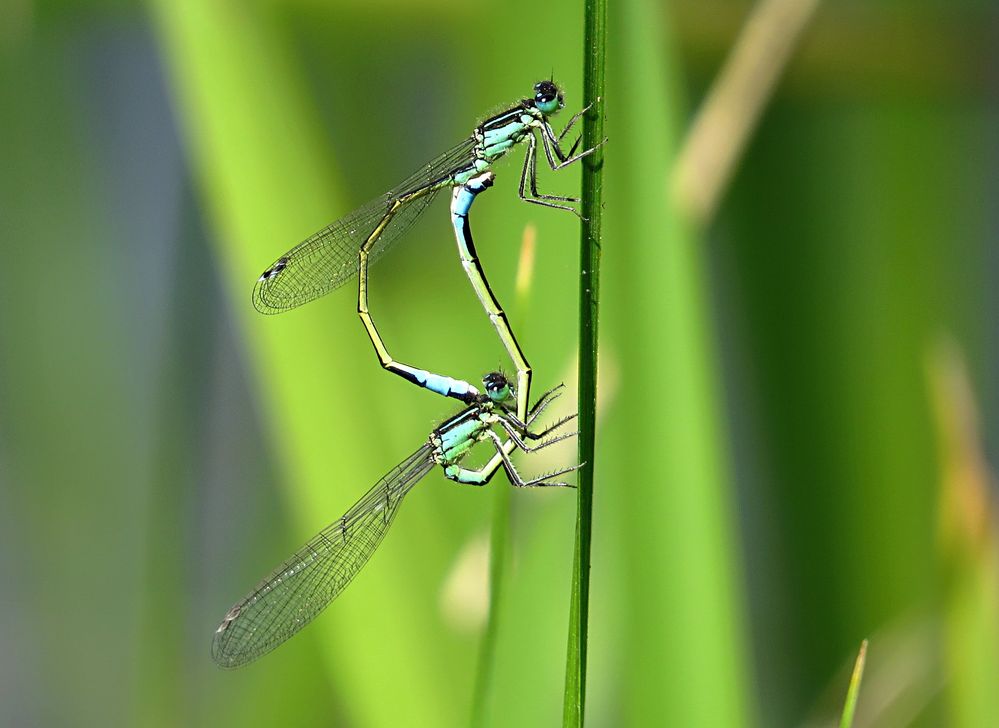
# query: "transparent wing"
{"type": "Point", "coordinates": [328, 259]}
{"type": "Point", "coordinates": [302, 586]}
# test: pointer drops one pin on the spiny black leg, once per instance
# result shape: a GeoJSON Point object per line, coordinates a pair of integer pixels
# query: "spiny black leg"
{"type": "Point", "coordinates": [529, 177]}
{"type": "Point", "coordinates": [546, 142]}
{"type": "Point", "coordinates": [575, 145]}
{"type": "Point", "coordinates": [576, 117]}
{"type": "Point", "coordinates": [525, 173]}
{"type": "Point", "coordinates": [534, 179]}
{"type": "Point", "coordinates": [527, 433]}
{"type": "Point", "coordinates": [543, 401]}
{"type": "Point", "coordinates": [552, 148]}
{"type": "Point", "coordinates": [522, 443]}
{"type": "Point", "coordinates": [518, 481]}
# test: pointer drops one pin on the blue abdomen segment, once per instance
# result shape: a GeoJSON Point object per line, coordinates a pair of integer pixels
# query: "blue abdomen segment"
{"type": "Point", "coordinates": [461, 203]}
{"type": "Point", "coordinates": [439, 383]}
{"type": "Point", "coordinates": [465, 196]}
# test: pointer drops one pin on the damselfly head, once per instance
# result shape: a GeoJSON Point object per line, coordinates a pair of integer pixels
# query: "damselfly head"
{"type": "Point", "coordinates": [498, 387]}
{"type": "Point", "coordinates": [547, 97]}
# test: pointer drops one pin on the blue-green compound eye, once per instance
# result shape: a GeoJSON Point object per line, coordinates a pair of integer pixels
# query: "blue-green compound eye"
{"type": "Point", "coordinates": [547, 97]}
{"type": "Point", "coordinates": [501, 395]}
{"type": "Point", "coordinates": [497, 387]}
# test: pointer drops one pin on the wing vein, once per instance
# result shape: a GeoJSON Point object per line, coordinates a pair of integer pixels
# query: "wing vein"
{"type": "Point", "coordinates": [328, 259]}
{"type": "Point", "coordinates": [301, 587]}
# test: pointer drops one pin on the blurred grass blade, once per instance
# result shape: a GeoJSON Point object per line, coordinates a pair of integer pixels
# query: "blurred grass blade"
{"type": "Point", "coordinates": [850, 707]}
{"type": "Point", "coordinates": [263, 166]}
{"type": "Point", "coordinates": [664, 449]}
{"type": "Point", "coordinates": [499, 547]}
{"type": "Point", "coordinates": [970, 541]}
{"type": "Point", "coordinates": [719, 134]}
{"type": "Point", "coordinates": [499, 537]}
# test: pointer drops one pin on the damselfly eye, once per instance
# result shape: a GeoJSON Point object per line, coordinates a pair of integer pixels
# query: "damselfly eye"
{"type": "Point", "coordinates": [547, 97]}
{"type": "Point", "coordinates": [497, 386]}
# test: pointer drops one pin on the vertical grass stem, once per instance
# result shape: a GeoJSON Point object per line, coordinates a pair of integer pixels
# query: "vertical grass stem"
{"type": "Point", "coordinates": [594, 52]}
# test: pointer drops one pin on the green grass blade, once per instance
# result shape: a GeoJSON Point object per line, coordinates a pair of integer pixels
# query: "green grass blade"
{"type": "Point", "coordinates": [594, 45]}
{"type": "Point", "coordinates": [850, 707]}
{"type": "Point", "coordinates": [263, 163]}
{"type": "Point", "coordinates": [664, 449]}
{"type": "Point", "coordinates": [499, 536]}
{"type": "Point", "coordinates": [499, 547]}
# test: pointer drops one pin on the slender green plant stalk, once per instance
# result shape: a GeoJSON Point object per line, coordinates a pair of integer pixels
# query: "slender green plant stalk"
{"type": "Point", "coordinates": [850, 707]}
{"type": "Point", "coordinates": [594, 51]}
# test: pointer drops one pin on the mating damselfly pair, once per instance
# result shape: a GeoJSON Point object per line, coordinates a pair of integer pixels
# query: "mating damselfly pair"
{"type": "Point", "coordinates": [308, 581]}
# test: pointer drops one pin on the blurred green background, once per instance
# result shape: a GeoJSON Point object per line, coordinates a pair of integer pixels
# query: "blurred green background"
{"type": "Point", "coordinates": [798, 400]}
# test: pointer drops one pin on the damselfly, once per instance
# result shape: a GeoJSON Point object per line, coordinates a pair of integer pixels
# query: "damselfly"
{"type": "Point", "coordinates": [307, 582]}
{"type": "Point", "coordinates": [330, 257]}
